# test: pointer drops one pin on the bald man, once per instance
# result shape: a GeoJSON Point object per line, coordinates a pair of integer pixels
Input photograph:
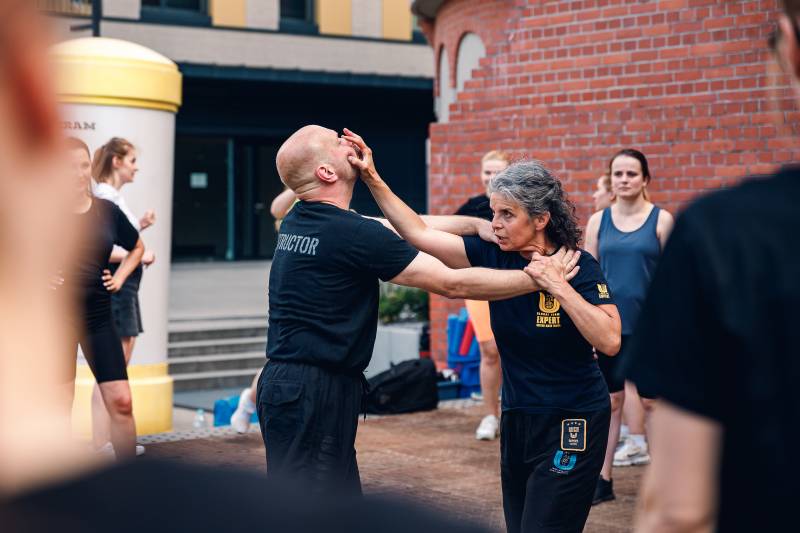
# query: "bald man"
{"type": "Point", "coordinates": [323, 306]}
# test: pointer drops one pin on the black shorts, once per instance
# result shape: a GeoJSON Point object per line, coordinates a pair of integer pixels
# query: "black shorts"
{"type": "Point", "coordinates": [544, 487]}
{"type": "Point", "coordinates": [100, 343]}
{"type": "Point", "coordinates": [127, 314]}
{"type": "Point", "coordinates": [125, 305]}
{"type": "Point", "coordinates": [309, 417]}
{"type": "Point", "coordinates": [611, 367]}
{"type": "Point", "coordinates": [103, 351]}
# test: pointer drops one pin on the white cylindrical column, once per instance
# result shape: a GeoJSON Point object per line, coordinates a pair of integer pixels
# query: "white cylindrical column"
{"type": "Point", "coordinates": [112, 88]}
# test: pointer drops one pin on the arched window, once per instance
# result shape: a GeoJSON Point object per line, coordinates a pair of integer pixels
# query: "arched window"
{"type": "Point", "coordinates": [470, 52]}
{"type": "Point", "coordinates": [447, 94]}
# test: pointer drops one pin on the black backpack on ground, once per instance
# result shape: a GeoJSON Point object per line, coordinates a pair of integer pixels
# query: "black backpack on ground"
{"type": "Point", "coordinates": [407, 387]}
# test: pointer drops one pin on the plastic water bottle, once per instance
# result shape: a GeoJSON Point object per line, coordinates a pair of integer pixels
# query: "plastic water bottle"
{"type": "Point", "coordinates": [199, 419]}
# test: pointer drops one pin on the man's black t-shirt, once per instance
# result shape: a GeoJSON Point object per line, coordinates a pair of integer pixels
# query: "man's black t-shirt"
{"type": "Point", "coordinates": [323, 286]}
{"type": "Point", "coordinates": [107, 225]}
{"type": "Point", "coordinates": [719, 336]}
{"type": "Point", "coordinates": [547, 364]}
{"type": "Point", "coordinates": [477, 206]}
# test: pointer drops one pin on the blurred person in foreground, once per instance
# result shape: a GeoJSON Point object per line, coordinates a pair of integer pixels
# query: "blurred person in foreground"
{"type": "Point", "coordinates": [717, 342]}
{"type": "Point", "coordinates": [36, 232]}
{"type": "Point", "coordinates": [47, 483]}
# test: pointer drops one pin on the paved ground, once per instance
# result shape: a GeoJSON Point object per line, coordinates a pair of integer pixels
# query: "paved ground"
{"type": "Point", "coordinates": [430, 457]}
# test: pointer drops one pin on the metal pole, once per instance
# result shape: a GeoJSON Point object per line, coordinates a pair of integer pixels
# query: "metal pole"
{"type": "Point", "coordinates": [231, 248]}
{"type": "Point", "coordinates": [97, 15]}
{"type": "Point", "coordinates": [94, 25]}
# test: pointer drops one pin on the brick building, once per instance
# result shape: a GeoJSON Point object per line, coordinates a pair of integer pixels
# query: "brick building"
{"type": "Point", "coordinates": [691, 83]}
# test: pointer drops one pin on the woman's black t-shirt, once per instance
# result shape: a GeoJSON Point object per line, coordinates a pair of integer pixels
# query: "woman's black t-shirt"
{"type": "Point", "coordinates": [106, 225]}
{"type": "Point", "coordinates": [547, 364]}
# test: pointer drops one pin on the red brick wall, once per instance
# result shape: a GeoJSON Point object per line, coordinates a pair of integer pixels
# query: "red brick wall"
{"type": "Point", "coordinates": [691, 83]}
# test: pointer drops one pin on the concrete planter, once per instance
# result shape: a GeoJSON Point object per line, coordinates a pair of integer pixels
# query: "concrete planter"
{"type": "Point", "coordinates": [394, 343]}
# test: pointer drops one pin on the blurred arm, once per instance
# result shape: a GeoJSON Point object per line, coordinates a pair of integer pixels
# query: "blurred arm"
{"type": "Point", "coordinates": [282, 203]}
{"type": "Point", "coordinates": [679, 493]}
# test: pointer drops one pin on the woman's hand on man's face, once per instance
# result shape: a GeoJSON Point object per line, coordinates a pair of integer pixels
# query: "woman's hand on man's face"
{"type": "Point", "coordinates": [365, 165]}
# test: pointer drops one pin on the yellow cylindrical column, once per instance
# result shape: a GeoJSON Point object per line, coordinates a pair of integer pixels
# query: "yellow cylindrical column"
{"type": "Point", "coordinates": [113, 88]}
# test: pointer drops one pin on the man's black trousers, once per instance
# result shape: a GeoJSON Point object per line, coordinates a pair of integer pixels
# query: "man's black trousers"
{"type": "Point", "coordinates": [309, 417]}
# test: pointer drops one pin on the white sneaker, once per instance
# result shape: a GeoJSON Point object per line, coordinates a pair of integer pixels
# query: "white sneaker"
{"type": "Point", "coordinates": [107, 449]}
{"type": "Point", "coordinates": [623, 434]}
{"type": "Point", "coordinates": [488, 429]}
{"type": "Point", "coordinates": [631, 454]}
{"type": "Point", "coordinates": [240, 419]}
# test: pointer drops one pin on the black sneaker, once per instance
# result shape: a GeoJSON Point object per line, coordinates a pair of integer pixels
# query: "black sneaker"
{"type": "Point", "coordinates": [604, 492]}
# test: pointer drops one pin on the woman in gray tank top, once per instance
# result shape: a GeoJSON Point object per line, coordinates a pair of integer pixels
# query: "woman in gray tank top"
{"type": "Point", "coordinates": [627, 239]}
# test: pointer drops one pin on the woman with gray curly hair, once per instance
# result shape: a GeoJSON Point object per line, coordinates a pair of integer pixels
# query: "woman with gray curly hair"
{"type": "Point", "coordinates": [555, 412]}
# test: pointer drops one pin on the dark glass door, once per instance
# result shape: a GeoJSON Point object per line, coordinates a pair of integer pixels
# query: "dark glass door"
{"type": "Point", "coordinates": [200, 199]}
{"type": "Point", "coordinates": [257, 184]}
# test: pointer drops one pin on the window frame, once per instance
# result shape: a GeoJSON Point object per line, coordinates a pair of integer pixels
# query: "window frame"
{"type": "Point", "coordinates": [163, 13]}
{"type": "Point", "coordinates": [307, 25]}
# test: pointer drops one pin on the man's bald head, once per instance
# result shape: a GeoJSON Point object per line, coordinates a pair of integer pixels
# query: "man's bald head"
{"type": "Point", "coordinates": [313, 157]}
{"type": "Point", "coordinates": [301, 154]}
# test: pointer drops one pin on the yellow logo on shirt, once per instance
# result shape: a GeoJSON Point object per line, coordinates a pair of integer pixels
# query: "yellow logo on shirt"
{"type": "Point", "coordinates": [547, 303]}
{"type": "Point", "coordinates": [548, 315]}
{"type": "Point", "coordinates": [602, 290]}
